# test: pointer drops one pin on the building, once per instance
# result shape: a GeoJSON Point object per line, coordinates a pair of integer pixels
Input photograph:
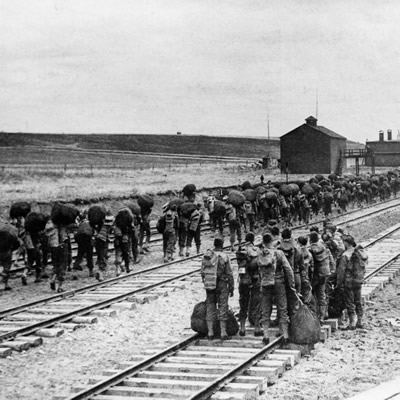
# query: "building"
{"type": "Point", "coordinates": [385, 153]}
{"type": "Point", "coordinates": [312, 149]}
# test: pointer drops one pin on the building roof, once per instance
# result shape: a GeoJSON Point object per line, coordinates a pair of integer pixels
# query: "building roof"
{"type": "Point", "coordinates": [327, 131]}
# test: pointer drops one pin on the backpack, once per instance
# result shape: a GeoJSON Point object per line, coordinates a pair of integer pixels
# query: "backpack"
{"type": "Point", "coordinates": [209, 269]}
{"type": "Point", "coordinates": [231, 213]}
{"type": "Point", "coordinates": [169, 222]}
{"type": "Point", "coordinates": [288, 250]}
{"type": "Point", "coordinates": [248, 207]}
{"type": "Point", "coordinates": [160, 225]}
{"type": "Point", "coordinates": [194, 220]}
{"type": "Point", "coordinates": [360, 262]}
{"type": "Point", "coordinates": [322, 261]}
{"type": "Point", "coordinates": [211, 204]}
{"type": "Point", "coordinates": [267, 266]}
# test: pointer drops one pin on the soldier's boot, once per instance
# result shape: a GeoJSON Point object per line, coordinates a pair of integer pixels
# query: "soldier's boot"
{"type": "Point", "coordinates": [24, 276]}
{"type": "Point", "coordinates": [359, 322]}
{"type": "Point", "coordinates": [38, 272]}
{"type": "Point", "coordinates": [257, 330]}
{"type": "Point", "coordinates": [91, 273]}
{"type": "Point", "coordinates": [6, 286]}
{"type": "Point", "coordinates": [165, 257]}
{"type": "Point", "coordinates": [210, 330]}
{"type": "Point", "coordinates": [117, 271]}
{"type": "Point", "coordinates": [322, 315]}
{"type": "Point", "coordinates": [44, 275]}
{"type": "Point", "coordinates": [224, 334]}
{"type": "Point", "coordinates": [99, 276]}
{"type": "Point", "coordinates": [146, 245]}
{"type": "Point", "coordinates": [127, 269]}
{"type": "Point", "coordinates": [59, 287]}
{"type": "Point", "coordinates": [284, 326]}
{"type": "Point", "coordinates": [353, 322]}
{"type": "Point", "coordinates": [141, 250]}
{"type": "Point", "coordinates": [242, 331]}
{"type": "Point", "coordinates": [198, 249]}
{"type": "Point", "coordinates": [53, 282]}
{"type": "Point", "coordinates": [181, 251]}
{"type": "Point", "coordinates": [187, 251]}
{"type": "Point", "coordinates": [170, 256]}
{"type": "Point", "coordinates": [266, 333]}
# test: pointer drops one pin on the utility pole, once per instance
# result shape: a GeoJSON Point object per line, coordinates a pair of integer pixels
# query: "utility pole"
{"type": "Point", "coordinates": [269, 141]}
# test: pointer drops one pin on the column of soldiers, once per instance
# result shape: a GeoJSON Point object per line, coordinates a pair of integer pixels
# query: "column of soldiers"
{"type": "Point", "coordinates": [36, 236]}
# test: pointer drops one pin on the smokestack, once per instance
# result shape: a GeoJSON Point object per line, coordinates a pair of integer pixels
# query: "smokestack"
{"type": "Point", "coordinates": [389, 132]}
{"type": "Point", "coordinates": [381, 136]}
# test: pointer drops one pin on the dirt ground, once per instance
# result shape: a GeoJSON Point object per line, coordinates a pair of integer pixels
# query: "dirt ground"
{"type": "Point", "coordinates": [348, 363]}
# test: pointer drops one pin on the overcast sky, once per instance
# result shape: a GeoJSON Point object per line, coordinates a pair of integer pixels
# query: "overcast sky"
{"type": "Point", "coordinates": [199, 66]}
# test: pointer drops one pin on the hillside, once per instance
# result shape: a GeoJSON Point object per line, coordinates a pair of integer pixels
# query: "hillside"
{"type": "Point", "coordinates": [176, 144]}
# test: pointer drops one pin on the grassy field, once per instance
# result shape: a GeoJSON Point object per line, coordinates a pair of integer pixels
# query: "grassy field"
{"type": "Point", "coordinates": [181, 144]}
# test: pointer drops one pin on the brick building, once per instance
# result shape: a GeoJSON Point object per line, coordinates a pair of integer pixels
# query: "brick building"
{"type": "Point", "coordinates": [386, 153]}
{"type": "Point", "coordinates": [312, 149]}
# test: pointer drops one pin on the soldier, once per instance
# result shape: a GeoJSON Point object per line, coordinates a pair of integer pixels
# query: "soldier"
{"type": "Point", "coordinates": [182, 233]}
{"type": "Point", "coordinates": [305, 209]}
{"type": "Point", "coordinates": [122, 233]}
{"type": "Point", "coordinates": [296, 261]}
{"type": "Point", "coordinates": [217, 277]}
{"type": "Point", "coordinates": [9, 242]}
{"type": "Point", "coordinates": [323, 265]}
{"type": "Point", "coordinates": [216, 213]}
{"type": "Point", "coordinates": [249, 215]}
{"type": "Point", "coordinates": [101, 244]}
{"type": "Point", "coordinates": [351, 272]}
{"type": "Point", "coordinates": [144, 231]}
{"type": "Point", "coordinates": [58, 237]}
{"type": "Point", "coordinates": [194, 230]}
{"type": "Point", "coordinates": [274, 270]}
{"type": "Point", "coordinates": [34, 255]}
{"type": "Point", "coordinates": [235, 228]}
{"type": "Point", "coordinates": [168, 225]}
{"type": "Point", "coordinates": [84, 240]}
{"type": "Point", "coordinates": [249, 285]}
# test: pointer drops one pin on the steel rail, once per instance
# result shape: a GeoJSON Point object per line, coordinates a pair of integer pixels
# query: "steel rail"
{"type": "Point", "coordinates": [127, 372]}
{"type": "Point", "coordinates": [27, 330]}
{"type": "Point", "coordinates": [73, 292]}
{"type": "Point", "coordinates": [204, 394]}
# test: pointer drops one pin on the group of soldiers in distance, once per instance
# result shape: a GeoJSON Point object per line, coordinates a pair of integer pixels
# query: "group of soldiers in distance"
{"type": "Point", "coordinates": [36, 236]}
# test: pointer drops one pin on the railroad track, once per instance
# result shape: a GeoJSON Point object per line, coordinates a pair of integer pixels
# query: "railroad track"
{"type": "Point", "coordinates": [241, 368]}
{"type": "Point", "coordinates": [84, 305]}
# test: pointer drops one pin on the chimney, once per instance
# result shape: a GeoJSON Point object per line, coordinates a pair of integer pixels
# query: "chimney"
{"type": "Point", "coordinates": [389, 132]}
{"type": "Point", "coordinates": [311, 121]}
{"type": "Point", "coordinates": [381, 136]}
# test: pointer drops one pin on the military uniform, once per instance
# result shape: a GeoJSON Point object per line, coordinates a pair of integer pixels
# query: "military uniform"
{"type": "Point", "coordinates": [58, 237]}
{"type": "Point", "coordinates": [101, 245]}
{"type": "Point", "coordinates": [194, 231]}
{"type": "Point", "coordinates": [84, 240]}
{"type": "Point", "coordinates": [217, 277]}
{"type": "Point", "coordinates": [235, 228]}
{"type": "Point", "coordinates": [323, 266]}
{"type": "Point", "coordinates": [249, 287]}
{"type": "Point", "coordinates": [351, 272]}
{"type": "Point", "coordinates": [144, 231]}
{"type": "Point", "coordinates": [275, 270]}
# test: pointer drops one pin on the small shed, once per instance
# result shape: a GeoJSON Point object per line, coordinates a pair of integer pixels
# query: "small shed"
{"type": "Point", "coordinates": [312, 149]}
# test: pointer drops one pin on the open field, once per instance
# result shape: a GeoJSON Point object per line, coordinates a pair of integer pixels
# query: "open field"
{"type": "Point", "coordinates": [181, 144]}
